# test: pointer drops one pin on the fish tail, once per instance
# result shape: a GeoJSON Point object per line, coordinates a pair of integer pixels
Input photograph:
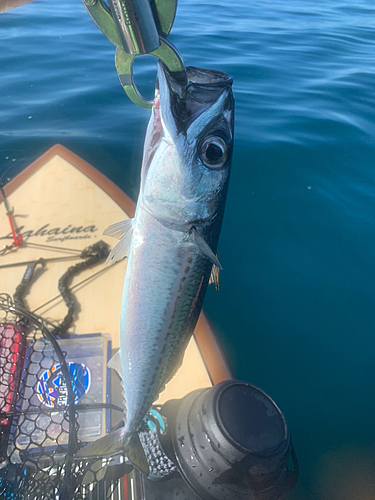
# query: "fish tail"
{"type": "Point", "coordinates": [118, 441]}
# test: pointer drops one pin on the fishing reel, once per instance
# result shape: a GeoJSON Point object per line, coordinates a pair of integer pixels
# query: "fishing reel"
{"type": "Point", "coordinates": [228, 441]}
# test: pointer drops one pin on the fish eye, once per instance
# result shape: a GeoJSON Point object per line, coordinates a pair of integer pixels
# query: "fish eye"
{"type": "Point", "coordinates": [214, 152]}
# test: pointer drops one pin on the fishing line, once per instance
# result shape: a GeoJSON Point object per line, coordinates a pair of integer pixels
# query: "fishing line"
{"type": "Point", "coordinates": [72, 288]}
{"type": "Point", "coordinates": [27, 262]}
{"type": "Point", "coordinates": [78, 407]}
{"type": "Point", "coordinates": [6, 249]}
{"type": "Point", "coordinates": [52, 247]}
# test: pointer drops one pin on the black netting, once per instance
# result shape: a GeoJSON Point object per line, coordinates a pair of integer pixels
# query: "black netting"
{"type": "Point", "coordinates": [38, 440]}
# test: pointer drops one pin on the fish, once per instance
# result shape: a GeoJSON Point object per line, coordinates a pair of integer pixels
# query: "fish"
{"type": "Point", "coordinates": [171, 244]}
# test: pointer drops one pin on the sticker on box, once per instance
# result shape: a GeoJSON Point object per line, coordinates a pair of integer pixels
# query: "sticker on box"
{"type": "Point", "coordinates": [52, 390]}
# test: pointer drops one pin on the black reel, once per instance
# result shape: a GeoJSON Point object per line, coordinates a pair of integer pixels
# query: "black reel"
{"type": "Point", "coordinates": [229, 441]}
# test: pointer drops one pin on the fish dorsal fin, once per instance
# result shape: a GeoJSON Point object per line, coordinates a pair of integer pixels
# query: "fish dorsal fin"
{"type": "Point", "coordinates": [115, 363]}
{"type": "Point", "coordinates": [119, 229]}
{"type": "Point", "coordinates": [204, 249]}
{"type": "Point", "coordinates": [121, 250]}
{"type": "Point", "coordinates": [215, 274]}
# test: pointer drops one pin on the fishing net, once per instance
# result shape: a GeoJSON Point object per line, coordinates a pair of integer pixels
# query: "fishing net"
{"type": "Point", "coordinates": [40, 429]}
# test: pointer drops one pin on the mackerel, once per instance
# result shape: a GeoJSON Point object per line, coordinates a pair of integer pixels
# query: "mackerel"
{"type": "Point", "coordinates": [171, 243]}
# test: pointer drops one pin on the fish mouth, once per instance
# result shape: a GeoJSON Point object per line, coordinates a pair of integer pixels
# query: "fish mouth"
{"type": "Point", "coordinates": [154, 133]}
{"type": "Point", "coordinates": [184, 103]}
{"type": "Point", "coordinates": [175, 122]}
{"type": "Point", "coordinates": [176, 106]}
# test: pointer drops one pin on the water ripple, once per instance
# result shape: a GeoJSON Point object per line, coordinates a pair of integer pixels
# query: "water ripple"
{"type": "Point", "coordinates": [298, 244]}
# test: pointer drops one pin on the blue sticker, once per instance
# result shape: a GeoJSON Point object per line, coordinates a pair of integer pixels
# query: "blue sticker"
{"type": "Point", "coordinates": [52, 390]}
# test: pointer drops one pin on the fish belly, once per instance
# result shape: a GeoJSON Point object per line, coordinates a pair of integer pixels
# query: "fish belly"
{"type": "Point", "coordinates": [164, 286]}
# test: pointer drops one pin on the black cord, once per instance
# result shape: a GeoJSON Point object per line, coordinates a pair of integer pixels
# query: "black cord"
{"type": "Point", "coordinates": [95, 253]}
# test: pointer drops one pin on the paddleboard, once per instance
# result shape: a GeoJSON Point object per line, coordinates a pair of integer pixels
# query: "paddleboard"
{"type": "Point", "coordinates": [60, 205]}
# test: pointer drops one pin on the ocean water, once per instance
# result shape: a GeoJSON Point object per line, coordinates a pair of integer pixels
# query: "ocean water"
{"type": "Point", "coordinates": [295, 311]}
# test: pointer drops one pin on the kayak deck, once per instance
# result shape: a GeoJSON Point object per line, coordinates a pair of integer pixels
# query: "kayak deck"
{"type": "Point", "coordinates": [61, 201]}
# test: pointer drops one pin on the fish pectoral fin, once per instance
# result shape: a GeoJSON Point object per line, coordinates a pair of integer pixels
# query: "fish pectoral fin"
{"type": "Point", "coordinates": [204, 249]}
{"type": "Point", "coordinates": [121, 250]}
{"type": "Point", "coordinates": [115, 364]}
{"type": "Point", "coordinates": [117, 442]}
{"type": "Point", "coordinates": [215, 275]}
{"type": "Point", "coordinates": [119, 229]}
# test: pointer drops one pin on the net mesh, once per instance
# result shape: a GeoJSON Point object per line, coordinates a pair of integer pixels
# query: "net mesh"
{"type": "Point", "coordinates": [39, 429]}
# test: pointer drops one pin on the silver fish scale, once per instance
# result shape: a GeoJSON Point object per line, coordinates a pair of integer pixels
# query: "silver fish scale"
{"type": "Point", "coordinates": [169, 264]}
{"type": "Point", "coordinates": [169, 291]}
{"type": "Point", "coordinates": [184, 181]}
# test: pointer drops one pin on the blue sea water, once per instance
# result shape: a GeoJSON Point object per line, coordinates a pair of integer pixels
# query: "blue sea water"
{"type": "Point", "coordinates": [295, 311]}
